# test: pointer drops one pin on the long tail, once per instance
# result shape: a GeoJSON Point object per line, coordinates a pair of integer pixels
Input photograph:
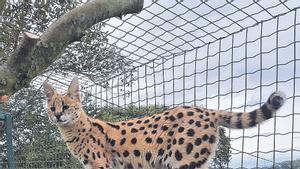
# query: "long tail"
{"type": "Point", "coordinates": [250, 119]}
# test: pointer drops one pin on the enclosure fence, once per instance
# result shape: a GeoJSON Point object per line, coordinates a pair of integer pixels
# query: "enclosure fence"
{"type": "Point", "coordinates": [217, 54]}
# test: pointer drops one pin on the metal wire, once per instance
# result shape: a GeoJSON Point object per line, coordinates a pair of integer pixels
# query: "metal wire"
{"type": "Point", "coordinates": [216, 54]}
{"type": "Point", "coordinates": [172, 71]}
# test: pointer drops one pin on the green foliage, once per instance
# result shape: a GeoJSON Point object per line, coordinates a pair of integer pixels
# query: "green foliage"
{"type": "Point", "coordinates": [222, 155]}
{"type": "Point", "coordinates": [32, 16]}
{"type": "Point", "coordinates": [285, 165]}
{"type": "Point", "coordinates": [91, 56]}
{"type": "Point", "coordinates": [2, 5]}
{"type": "Point", "coordinates": [119, 114]}
{"type": "Point", "coordinates": [38, 143]}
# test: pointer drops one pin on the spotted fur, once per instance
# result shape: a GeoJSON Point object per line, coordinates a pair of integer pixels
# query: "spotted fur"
{"type": "Point", "coordinates": [178, 138]}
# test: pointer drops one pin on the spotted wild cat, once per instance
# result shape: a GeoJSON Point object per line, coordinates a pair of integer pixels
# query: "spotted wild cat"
{"type": "Point", "coordinates": [178, 138]}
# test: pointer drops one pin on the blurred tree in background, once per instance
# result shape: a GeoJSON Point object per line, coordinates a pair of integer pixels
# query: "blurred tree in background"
{"type": "Point", "coordinates": [222, 155]}
{"type": "Point", "coordinates": [37, 142]}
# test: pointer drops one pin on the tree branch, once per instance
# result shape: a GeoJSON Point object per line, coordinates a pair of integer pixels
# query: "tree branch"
{"type": "Point", "coordinates": [34, 54]}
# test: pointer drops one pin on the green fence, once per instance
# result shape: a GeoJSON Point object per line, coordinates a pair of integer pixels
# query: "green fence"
{"type": "Point", "coordinates": [222, 54]}
{"type": "Point", "coordinates": [6, 125]}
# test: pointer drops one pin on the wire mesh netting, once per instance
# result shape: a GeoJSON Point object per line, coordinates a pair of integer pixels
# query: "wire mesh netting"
{"type": "Point", "coordinates": [218, 54]}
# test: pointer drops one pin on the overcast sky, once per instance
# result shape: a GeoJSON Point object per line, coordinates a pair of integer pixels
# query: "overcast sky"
{"type": "Point", "coordinates": [156, 41]}
{"type": "Point", "coordinates": [168, 28]}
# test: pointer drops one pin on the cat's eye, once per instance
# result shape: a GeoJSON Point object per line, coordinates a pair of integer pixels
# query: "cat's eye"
{"type": "Point", "coordinates": [65, 107]}
{"type": "Point", "coordinates": [52, 108]}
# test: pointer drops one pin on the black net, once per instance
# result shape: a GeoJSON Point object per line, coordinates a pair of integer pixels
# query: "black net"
{"type": "Point", "coordinates": [218, 54]}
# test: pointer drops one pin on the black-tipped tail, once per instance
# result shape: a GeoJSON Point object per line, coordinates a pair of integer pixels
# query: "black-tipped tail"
{"type": "Point", "coordinates": [250, 119]}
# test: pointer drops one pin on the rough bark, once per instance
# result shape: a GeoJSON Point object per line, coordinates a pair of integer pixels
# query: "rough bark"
{"type": "Point", "coordinates": [34, 54]}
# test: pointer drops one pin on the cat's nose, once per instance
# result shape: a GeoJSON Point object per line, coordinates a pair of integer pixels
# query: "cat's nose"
{"type": "Point", "coordinates": [58, 115]}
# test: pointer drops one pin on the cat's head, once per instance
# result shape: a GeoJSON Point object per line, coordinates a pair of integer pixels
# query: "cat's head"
{"type": "Point", "coordinates": [63, 109]}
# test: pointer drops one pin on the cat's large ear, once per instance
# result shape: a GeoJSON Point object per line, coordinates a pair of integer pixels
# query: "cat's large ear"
{"type": "Point", "coordinates": [73, 90]}
{"type": "Point", "coordinates": [48, 90]}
